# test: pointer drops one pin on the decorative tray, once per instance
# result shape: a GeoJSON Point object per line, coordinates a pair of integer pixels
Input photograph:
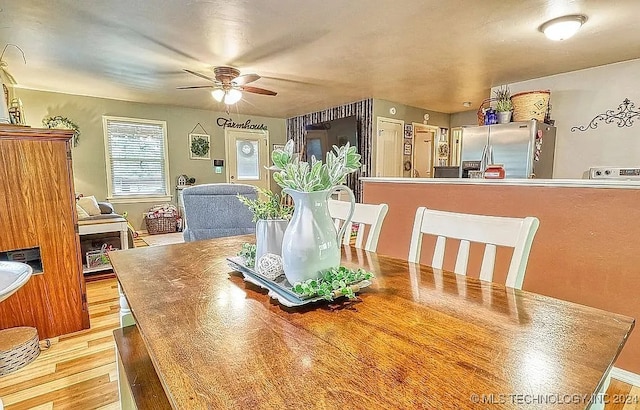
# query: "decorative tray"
{"type": "Point", "coordinates": [280, 288]}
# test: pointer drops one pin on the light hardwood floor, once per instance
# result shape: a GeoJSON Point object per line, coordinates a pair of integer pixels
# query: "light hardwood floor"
{"type": "Point", "coordinates": [78, 371]}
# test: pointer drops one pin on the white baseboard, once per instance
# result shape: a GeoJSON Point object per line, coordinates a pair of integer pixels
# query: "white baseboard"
{"type": "Point", "coordinates": [625, 376]}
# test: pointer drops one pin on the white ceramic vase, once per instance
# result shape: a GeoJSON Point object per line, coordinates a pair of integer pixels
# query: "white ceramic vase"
{"type": "Point", "coordinates": [269, 235]}
{"type": "Point", "coordinates": [311, 243]}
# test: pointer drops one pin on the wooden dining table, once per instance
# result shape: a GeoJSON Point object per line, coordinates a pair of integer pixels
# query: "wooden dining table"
{"type": "Point", "coordinates": [415, 338]}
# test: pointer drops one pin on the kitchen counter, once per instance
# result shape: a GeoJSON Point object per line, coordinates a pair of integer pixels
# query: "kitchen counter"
{"type": "Point", "coordinates": [586, 183]}
{"type": "Point", "coordinates": [585, 250]}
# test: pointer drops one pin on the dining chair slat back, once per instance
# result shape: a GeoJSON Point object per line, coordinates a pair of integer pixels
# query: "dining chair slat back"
{"type": "Point", "coordinates": [364, 214]}
{"type": "Point", "coordinates": [492, 231]}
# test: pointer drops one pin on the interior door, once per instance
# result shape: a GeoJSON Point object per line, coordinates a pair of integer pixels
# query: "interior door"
{"type": "Point", "coordinates": [389, 148]}
{"type": "Point", "coordinates": [247, 157]}
{"type": "Point", "coordinates": [423, 150]}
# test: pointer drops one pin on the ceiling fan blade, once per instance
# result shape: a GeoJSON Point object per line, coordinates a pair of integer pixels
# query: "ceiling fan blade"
{"type": "Point", "coordinates": [189, 87]}
{"type": "Point", "coordinates": [200, 75]}
{"type": "Point", "coordinates": [246, 79]}
{"type": "Point", "coordinates": [257, 90]}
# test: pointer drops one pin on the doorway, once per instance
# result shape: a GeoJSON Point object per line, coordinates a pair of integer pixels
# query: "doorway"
{"type": "Point", "coordinates": [389, 147]}
{"type": "Point", "coordinates": [424, 137]}
{"type": "Point", "coordinates": [247, 157]}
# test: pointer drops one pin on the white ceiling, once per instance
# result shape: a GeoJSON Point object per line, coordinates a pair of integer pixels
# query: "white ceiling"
{"type": "Point", "coordinates": [431, 54]}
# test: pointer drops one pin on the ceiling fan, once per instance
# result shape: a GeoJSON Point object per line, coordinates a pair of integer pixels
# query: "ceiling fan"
{"type": "Point", "coordinates": [228, 84]}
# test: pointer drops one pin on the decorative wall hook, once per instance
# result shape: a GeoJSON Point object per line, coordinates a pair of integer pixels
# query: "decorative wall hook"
{"type": "Point", "coordinates": [624, 117]}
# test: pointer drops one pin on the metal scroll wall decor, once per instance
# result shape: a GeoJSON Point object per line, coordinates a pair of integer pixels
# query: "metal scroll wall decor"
{"type": "Point", "coordinates": [624, 117]}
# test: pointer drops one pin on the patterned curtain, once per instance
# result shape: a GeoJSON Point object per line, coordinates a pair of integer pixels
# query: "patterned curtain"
{"type": "Point", "coordinates": [363, 110]}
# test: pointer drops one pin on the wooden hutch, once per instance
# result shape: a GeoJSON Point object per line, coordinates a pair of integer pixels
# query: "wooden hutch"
{"type": "Point", "coordinates": [38, 224]}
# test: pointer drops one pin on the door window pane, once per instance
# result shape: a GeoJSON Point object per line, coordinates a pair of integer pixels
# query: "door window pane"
{"type": "Point", "coordinates": [248, 159]}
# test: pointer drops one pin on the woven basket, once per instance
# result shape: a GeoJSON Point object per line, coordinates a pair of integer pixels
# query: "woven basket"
{"type": "Point", "coordinates": [486, 103]}
{"type": "Point", "coordinates": [163, 224]}
{"type": "Point", "coordinates": [19, 346]}
{"type": "Point", "coordinates": [530, 105]}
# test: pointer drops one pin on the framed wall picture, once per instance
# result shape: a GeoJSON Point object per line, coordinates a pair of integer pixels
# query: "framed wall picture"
{"type": "Point", "coordinates": [408, 131]}
{"type": "Point", "coordinates": [407, 149]}
{"type": "Point", "coordinates": [199, 146]}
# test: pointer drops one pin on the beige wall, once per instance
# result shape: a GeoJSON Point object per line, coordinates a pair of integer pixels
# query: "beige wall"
{"type": "Point", "coordinates": [460, 119]}
{"type": "Point", "coordinates": [576, 98]}
{"type": "Point", "coordinates": [407, 114]}
{"type": "Point", "coordinates": [88, 156]}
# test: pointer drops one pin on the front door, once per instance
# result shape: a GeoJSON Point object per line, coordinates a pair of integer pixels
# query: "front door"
{"type": "Point", "coordinates": [248, 156]}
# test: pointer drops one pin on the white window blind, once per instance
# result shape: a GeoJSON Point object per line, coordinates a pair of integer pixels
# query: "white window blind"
{"type": "Point", "coordinates": [136, 157]}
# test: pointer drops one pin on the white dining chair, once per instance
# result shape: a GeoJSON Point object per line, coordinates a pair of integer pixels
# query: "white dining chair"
{"type": "Point", "coordinates": [493, 231]}
{"type": "Point", "coordinates": [364, 214]}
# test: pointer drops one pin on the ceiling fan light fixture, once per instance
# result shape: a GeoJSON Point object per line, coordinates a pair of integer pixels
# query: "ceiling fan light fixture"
{"type": "Point", "coordinates": [217, 94]}
{"type": "Point", "coordinates": [562, 28]}
{"type": "Point", "coordinates": [232, 96]}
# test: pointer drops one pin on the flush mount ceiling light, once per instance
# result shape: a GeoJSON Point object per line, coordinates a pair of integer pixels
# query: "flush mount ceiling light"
{"type": "Point", "coordinates": [562, 28]}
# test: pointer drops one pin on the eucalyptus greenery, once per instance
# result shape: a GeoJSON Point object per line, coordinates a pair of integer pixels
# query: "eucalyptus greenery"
{"type": "Point", "coordinates": [503, 99]}
{"type": "Point", "coordinates": [269, 208]}
{"type": "Point", "coordinates": [60, 122]}
{"type": "Point", "coordinates": [315, 176]}
{"type": "Point", "coordinates": [332, 281]}
{"type": "Point", "coordinates": [248, 253]}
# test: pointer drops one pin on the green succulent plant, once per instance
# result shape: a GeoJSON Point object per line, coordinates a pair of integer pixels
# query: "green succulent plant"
{"type": "Point", "coordinates": [314, 176]}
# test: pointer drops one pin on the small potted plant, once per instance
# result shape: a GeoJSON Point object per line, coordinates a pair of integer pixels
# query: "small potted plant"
{"type": "Point", "coordinates": [271, 217]}
{"type": "Point", "coordinates": [503, 104]}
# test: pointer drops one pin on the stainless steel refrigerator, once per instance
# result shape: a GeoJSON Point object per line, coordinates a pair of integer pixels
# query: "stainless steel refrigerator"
{"type": "Point", "coordinates": [525, 149]}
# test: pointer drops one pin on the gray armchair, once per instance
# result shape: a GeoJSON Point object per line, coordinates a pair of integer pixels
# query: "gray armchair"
{"type": "Point", "coordinates": [214, 211]}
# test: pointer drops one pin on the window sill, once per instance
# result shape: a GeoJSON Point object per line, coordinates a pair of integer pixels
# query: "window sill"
{"type": "Point", "coordinates": [139, 199]}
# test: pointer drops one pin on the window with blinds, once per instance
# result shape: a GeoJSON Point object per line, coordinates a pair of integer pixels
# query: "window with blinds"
{"type": "Point", "coordinates": [136, 160]}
